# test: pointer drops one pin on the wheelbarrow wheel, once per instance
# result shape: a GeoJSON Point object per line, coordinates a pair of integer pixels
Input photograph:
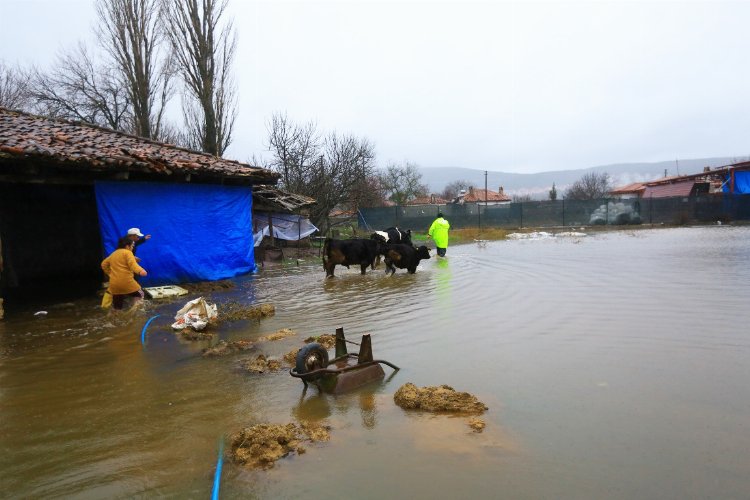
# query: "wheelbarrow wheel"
{"type": "Point", "coordinates": [311, 357]}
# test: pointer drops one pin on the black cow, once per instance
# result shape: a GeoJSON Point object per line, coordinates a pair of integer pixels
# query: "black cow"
{"type": "Point", "coordinates": [360, 252]}
{"type": "Point", "coordinates": [404, 257]}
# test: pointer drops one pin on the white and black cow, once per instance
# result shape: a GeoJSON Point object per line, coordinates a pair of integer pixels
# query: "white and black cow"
{"type": "Point", "coordinates": [360, 252]}
{"type": "Point", "coordinates": [404, 257]}
{"type": "Point", "coordinates": [393, 235]}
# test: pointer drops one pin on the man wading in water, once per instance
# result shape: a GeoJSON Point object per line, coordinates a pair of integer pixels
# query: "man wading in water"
{"type": "Point", "coordinates": [439, 232]}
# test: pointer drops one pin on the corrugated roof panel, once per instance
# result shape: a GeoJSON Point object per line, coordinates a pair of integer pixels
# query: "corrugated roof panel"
{"type": "Point", "coordinates": [669, 190]}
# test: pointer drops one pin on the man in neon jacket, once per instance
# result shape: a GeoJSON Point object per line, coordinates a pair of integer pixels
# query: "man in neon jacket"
{"type": "Point", "coordinates": [439, 232]}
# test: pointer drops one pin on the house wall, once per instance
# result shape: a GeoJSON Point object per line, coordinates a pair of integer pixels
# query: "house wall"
{"type": "Point", "coordinates": [51, 243]}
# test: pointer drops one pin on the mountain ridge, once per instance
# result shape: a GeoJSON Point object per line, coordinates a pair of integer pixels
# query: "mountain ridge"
{"type": "Point", "coordinates": [537, 185]}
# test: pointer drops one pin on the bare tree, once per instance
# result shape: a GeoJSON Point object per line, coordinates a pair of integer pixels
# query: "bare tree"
{"type": "Point", "coordinates": [296, 148]}
{"type": "Point", "coordinates": [78, 89]}
{"type": "Point", "coordinates": [453, 189]}
{"type": "Point", "coordinates": [346, 163]}
{"type": "Point", "coordinates": [403, 182]}
{"type": "Point", "coordinates": [335, 170]}
{"type": "Point", "coordinates": [203, 51]}
{"type": "Point", "coordinates": [521, 198]}
{"type": "Point", "coordinates": [592, 186]}
{"type": "Point", "coordinates": [129, 31]}
{"type": "Point", "coordinates": [14, 87]}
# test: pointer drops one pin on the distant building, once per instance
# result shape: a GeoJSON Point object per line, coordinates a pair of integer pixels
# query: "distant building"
{"type": "Point", "coordinates": [476, 195]}
{"type": "Point", "coordinates": [733, 178]}
{"type": "Point", "coordinates": [431, 199]}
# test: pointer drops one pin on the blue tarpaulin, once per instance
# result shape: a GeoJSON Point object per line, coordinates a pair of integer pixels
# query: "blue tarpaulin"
{"type": "Point", "coordinates": [741, 182]}
{"type": "Point", "coordinates": [198, 232]}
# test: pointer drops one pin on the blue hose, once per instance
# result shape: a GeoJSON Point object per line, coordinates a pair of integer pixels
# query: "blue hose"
{"type": "Point", "coordinates": [143, 332]}
{"type": "Point", "coordinates": [217, 475]}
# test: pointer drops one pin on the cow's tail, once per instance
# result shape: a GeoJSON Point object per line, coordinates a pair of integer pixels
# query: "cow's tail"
{"type": "Point", "coordinates": [326, 246]}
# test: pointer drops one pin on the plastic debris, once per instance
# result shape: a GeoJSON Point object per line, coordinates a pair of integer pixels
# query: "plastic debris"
{"type": "Point", "coordinates": [40, 313]}
{"type": "Point", "coordinates": [196, 314]}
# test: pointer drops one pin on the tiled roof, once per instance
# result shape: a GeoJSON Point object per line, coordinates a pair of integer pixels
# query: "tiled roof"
{"type": "Point", "coordinates": [475, 194]}
{"type": "Point", "coordinates": [635, 187]}
{"type": "Point", "coordinates": [87, 148]}
{"type": "Point", "coordinates": [427, 200]}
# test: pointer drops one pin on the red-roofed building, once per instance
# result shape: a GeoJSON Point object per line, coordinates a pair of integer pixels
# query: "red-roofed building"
{"type": "Point", "coordinates": [476, 195]}
{"type": "Point", "coordinates": [50, 225]}
{"type": "Point", "coordinates": [431, 199]}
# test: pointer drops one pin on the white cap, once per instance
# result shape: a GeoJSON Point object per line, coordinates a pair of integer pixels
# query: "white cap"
{"type": "Point", "coordinates": [136, 231]}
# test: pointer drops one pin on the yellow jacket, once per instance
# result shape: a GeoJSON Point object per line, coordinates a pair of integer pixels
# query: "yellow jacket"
{"type": "Point", "coordinates": [120, 267]}
{"type": "Point", "coordinates": [439, 232]}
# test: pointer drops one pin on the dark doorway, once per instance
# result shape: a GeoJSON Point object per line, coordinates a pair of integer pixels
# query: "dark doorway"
{"type": "Point", "coordinates": [50, 241]}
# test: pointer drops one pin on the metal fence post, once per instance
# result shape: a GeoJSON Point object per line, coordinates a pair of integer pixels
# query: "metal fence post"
{"type": "Point", "coordinates": [563, 210]}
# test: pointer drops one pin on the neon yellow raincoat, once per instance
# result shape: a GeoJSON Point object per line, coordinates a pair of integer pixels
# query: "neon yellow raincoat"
{"type": "Point", "coordinates": [439, 232]}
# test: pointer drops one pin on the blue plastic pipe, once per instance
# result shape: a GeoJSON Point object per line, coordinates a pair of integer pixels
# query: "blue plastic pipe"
{"type": "Point", "coordinates": [143, 332]}
{"type": "Point", "coordinates": [217, 475]}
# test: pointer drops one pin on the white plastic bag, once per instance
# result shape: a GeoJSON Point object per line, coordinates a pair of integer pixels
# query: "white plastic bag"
{"type": "Point", "coordinates": [196, 314]}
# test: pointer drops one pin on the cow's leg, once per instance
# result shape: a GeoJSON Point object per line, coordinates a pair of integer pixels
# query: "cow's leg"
{"type": "Point", "coordinates": [364, 266]}
{"type": "Point", "coordinates": [330, 266]}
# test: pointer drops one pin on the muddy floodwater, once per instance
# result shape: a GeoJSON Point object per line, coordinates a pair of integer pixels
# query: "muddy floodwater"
{"type": "Point", "coordinates": [615, 365]}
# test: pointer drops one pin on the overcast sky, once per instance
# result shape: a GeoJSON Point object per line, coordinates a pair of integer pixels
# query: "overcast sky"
{"type": "Point", "coordinates": [512, 86]}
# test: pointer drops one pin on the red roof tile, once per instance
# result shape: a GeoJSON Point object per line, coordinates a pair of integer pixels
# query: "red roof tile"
{"type": "Point", "coordinates": [83, 147]}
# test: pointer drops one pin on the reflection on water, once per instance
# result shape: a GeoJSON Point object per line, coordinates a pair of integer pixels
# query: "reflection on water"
{"type": "Point", "coordinates": [614, 365]}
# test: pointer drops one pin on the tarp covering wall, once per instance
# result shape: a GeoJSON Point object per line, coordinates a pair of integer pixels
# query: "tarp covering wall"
{"type": "Point", "coordinates": [288, 227]}
{"type": "Point", "coordinates": [199, 232]}
{"type": "Point", "coordinates": [741, 182]}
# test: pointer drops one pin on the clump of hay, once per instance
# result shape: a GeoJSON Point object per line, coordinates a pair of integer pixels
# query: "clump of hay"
{"type": "Point", "coordinates": [261, 445]}
{"type": "Point", "coordinates": [224, 348]}
{"type": "Point", "coordinates": [326, 340]}
{"type": "Point", "coordinates": [208, 286]}
{"type": "Point", "coordinates": [234, 311]}
{"type": "Point", "coordinates": [436, 399]}
{"type": "Point", "coordinates": [477, 424]}
{"type": "Point", "coordinates": [262, 364]}
{"type": "Point", "coordinates": [278, 335]}
{"type": "Point", "coordinates": [191, 334]}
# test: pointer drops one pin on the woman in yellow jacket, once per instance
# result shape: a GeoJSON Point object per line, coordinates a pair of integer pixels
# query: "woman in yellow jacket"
{"type": "Point", "coordinates": [439, 232]}
{"type": "Point", "coordinates": [120, 267]}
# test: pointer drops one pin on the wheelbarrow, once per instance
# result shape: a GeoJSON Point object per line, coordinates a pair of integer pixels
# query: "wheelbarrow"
{"type": "Point", "coordinates": [344, 372]}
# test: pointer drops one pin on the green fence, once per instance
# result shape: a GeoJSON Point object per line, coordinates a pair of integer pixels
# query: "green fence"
{"type": "Point", "coordinates": [563, 213]}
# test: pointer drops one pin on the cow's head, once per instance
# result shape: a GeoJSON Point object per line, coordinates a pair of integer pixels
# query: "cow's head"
{"type": "Point", "coordinates": [379, 236]}
{"type": "Point", "coordinates": [423, 252]}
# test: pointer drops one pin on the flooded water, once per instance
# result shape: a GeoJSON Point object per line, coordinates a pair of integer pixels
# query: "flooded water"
{"type": "Point", "coordinates": [615, 365]}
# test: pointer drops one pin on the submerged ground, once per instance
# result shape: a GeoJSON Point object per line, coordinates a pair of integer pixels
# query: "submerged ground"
{"type": "Point", "coordinates": [614, 365]}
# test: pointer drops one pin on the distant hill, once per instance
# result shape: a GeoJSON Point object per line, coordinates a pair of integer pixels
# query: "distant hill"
{"type": "Point", "coordinates": [538, 185]}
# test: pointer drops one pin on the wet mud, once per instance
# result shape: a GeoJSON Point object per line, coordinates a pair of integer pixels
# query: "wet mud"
{"type": "Point", "coordinates": [262, 364]}
{"type": "Point", "coordinates": [261, 445]}
{"type": "Point", "coordinates": [437, 399]}
{"type": "Point", "coordinates": [224, 348]}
